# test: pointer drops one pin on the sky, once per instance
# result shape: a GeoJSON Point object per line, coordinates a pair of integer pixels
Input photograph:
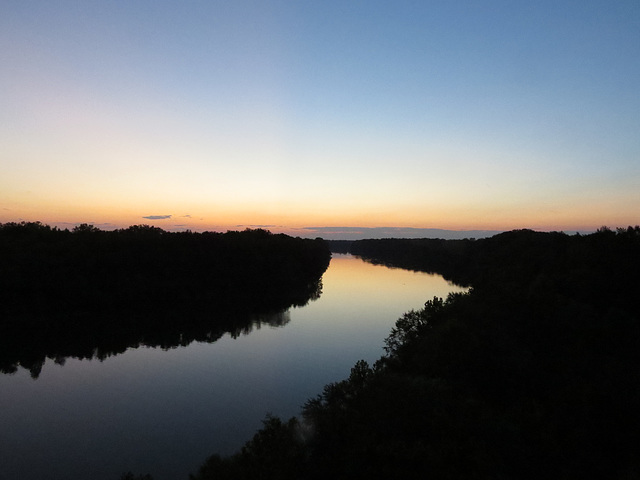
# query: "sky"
{"type": "Point", "coordinates": [314, 116]}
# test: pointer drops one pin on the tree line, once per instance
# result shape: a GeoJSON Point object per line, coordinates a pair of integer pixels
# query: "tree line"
{"type": "Point", "coordinates": [534, 373]}
{"type": "Point", "coordinates": [91, 293]}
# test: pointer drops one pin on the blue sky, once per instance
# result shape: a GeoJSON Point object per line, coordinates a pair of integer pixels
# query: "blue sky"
{"type": "Point", "coordinates": [480, 115]}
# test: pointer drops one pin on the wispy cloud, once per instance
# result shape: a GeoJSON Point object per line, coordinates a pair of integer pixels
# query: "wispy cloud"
{"type": "Point", "coordinates": [357, 233]}
{"type": "Point", "coordinates": [158, 217]}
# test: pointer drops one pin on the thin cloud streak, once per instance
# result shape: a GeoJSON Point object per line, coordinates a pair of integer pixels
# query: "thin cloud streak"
{"type": "Point", "coordinates": [359, 233]}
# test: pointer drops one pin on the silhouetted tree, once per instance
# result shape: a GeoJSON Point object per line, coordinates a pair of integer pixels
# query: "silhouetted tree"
{"type": "Point", "coordinates": [534, 373]}
{"type": "Point", "coordinates": [90, 293]}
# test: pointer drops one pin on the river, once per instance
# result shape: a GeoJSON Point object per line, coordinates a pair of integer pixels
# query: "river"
{"type": "Point", "coordinates": [163, 411]}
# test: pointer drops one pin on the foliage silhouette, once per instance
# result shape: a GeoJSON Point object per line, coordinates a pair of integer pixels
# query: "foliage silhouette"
{"type": "Point", "coordinates": [131, 476]}
{"type": "Point", "coordinates": [534, 373]}
{"type": "Point", "coordinates": [91, 294]}
{"type": "Point", "coordinates": [276, 451]}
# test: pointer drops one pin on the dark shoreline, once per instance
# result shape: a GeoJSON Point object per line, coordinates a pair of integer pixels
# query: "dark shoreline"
{"type": "Point", "coordinates": [89, 293]}
{"type": "Point", "coordinates": [535, 373]}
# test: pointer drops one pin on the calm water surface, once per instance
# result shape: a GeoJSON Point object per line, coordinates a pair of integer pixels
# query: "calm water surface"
{"type": "Point", "coordinates": [164, 411]}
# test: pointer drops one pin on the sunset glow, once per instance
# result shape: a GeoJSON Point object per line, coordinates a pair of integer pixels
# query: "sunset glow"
{"type": "Point", "coordinates": [289, 115]}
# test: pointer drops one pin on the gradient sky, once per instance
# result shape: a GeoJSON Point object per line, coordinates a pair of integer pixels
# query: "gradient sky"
{"type": "Point", "coordinates": [425, 114]}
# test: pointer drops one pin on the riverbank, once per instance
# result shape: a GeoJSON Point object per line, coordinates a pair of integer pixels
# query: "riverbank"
{"type": "Point", "coordinates": [535, 373]}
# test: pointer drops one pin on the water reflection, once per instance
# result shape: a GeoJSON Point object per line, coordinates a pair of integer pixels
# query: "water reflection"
{"type": "Point", "coordinates": [164, 411]}
{"type": "Point", "coordinates": [28, 341]}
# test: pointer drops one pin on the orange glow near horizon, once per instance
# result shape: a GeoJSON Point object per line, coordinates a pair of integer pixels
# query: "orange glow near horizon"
{"type": "Point", "coordinates": [221, 218]}
{"type": "Point", "coordinates": [218, 120]}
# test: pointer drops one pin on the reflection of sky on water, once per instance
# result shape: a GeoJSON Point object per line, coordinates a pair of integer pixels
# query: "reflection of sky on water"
{"type": "Point", "coordinates": [164, 412]}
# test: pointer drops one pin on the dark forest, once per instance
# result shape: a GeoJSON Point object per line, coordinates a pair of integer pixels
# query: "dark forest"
{"type": "Point", "coordinates": [535, 373]}
{"type": "Point", "coordinates": [89, 293]}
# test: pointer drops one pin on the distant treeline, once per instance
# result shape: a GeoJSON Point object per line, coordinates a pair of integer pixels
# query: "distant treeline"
{"type": "Point", "coordinates": [511, 256]}
{"type": "Point", "coordinates": [89, 292]}
{"type": "Point", "coordinates": [535, 373]}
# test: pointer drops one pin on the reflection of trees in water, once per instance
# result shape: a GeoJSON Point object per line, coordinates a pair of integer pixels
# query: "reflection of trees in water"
{"type": "Point", "coordinates": [534, 373]}
{"type": "Point", "coordinates": [90, 294]}
{"type": "Point", "coordinates": [102, 335]}
{"type": "Point", "coordinates": [278, 319]}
